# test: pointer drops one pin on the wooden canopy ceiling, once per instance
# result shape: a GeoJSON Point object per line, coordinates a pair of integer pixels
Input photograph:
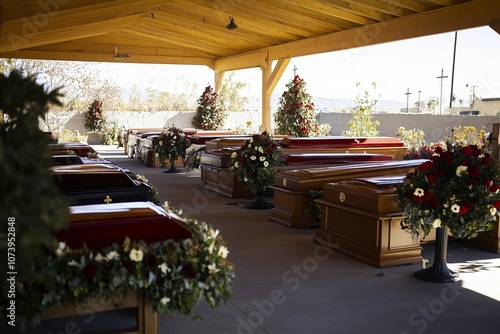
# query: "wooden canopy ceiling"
{"type": "Point", "coordinates": [194, 31]}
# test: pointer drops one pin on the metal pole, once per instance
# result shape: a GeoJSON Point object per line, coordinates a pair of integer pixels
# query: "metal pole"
{"type": "Point", "coordinates": [419, 101]}
{"type": "Point", "coordinates": [407, 99]}
{"type": "Point", "coordinates": [453, 69]}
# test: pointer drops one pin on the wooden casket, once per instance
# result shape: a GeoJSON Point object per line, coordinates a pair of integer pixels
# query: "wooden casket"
{"type": "Point", "coordinates": [104, 224]}
{"type": "Point", "coordinates": [97, 184]}
{"type": "Point", "coordinates": [325, 158]}
{"type": "Point", "coordinates": [218, 176]}
{"type": "Point", "coordinates": [361, 218]}
{"type": "Point", "coordinates": [224, 142]}
{"type": "Point", "coordinates": [69, 159]}
{"type": "Point", "coordinates": [339, 144]}
{"type": "Point", "coordinates": [202, 136]}
{"type": "Point", "coordinates": [79, 149]}
{"type": "Point", "coordinates": [291, 206]}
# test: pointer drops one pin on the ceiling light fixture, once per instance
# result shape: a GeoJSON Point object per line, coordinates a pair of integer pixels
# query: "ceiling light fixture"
{"type": "Point", "coordinates": [119, 55]}
{"type": "Point", "coordinates": [231, 25]}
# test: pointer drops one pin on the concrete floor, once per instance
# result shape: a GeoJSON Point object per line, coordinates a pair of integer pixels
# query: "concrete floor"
{"type": "Point", "coordinates": [285, 283]}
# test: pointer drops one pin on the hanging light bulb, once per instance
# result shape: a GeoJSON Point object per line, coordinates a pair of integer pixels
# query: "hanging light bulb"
{"type": "Point", "coordinates": [231, 25]}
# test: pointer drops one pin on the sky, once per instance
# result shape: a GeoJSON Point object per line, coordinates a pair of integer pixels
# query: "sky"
{"type": "Point", "coordinates": [411, 65]}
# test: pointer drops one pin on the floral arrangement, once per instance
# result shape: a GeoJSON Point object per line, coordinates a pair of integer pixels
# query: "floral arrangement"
{"type": "Point", "coordinates": [153, 191]}
{"type": "Point", "coordinates": [171, 145]}
{"type": "Point", "coordinates": [95, 120]}
{"type": "Point", "coordinates": [210, 114]}
{"type": "Point", "coordinates": [295, 115]}
{"type": "Point", "coordinates": [173, 275]}
{"type": "Point", "coordinates": [457, 188]}
{"type": "Point", "coordinates": [253, 162]}
{"type": "Point", "coordinates": [193, 156]}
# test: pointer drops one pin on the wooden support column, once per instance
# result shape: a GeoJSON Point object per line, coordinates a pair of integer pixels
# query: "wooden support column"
{"type": "Point", "coordinates": [219, 77]}
{"type": "Point", "coordinates": [270, 78]}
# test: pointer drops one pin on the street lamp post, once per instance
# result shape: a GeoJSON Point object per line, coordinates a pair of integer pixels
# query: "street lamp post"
{"type": "Point", "coordinates": [419, 101]}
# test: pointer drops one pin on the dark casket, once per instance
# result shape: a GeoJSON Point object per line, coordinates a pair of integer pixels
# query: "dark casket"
{"type": "Point", "coordinates": [104, 224]}
{"type": "Point", "coordinates": [340, 144]}
{"type": "Point", "coordinates": [79, 149]}
{"type": "Point", "coordinates": [101, 225]}
{"type": "Point", "coordinates": [69, 159]}
{"type": "Point", "coordinates": [361, 218]}
{"type": "Point", "coordinates": [291, 206]}
{"type": "Point", "coordinates": [98, 183]}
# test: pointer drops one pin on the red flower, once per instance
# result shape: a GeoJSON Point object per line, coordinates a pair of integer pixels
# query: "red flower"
{"type": "Point", "coordinates": [474, 171]}
{"type": "Point", "coordinates": [434, 202]}
{"type": "Point", "coordinates": [486, 160]}
{"type": "Point", "coordinates": [496, 204]}
{"type": "Point", "coordinates": [427, 195]}
{"type": "Point", "coordinates": [90, 270]}
{"type": "Point", "coordinates": [431, 179]}
{"type": "Point", "coordinates": [494, 188]}
{"type": "Point", "coordinates": [467, 150]}
{"type": "Point", "coordinates": [464, 207]}
{"type": "Point", "coordinates": [426, 166]}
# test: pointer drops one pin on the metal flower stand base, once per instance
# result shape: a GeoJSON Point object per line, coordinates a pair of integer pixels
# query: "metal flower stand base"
{"type": "Point", "coordinates": [439, 271]}
{"type": "Point", "coordinates": [172, 168]}
{"type": "Point", "coordinates": [259, 203]}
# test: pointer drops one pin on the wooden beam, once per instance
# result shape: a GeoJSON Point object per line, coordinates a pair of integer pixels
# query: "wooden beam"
{"type": "Point", "coordinates": [219, 77]}
{"type": "Point", "coordinates": [276, 74]}
{"type": "Point", "coordinates": [258, 59]}
{"type": "Point", "coordinates": [467, 15]}
{"type": "Point", "coordinates": [266, 99]}
{"type": "Point", "coordinates": [495, 25]}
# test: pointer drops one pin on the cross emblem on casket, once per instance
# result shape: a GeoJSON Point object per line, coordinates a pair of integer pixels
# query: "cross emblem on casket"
{"type": "Point", "coordinates": [108, 199]}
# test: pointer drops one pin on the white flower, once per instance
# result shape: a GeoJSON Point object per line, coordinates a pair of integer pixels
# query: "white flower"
{"type": "Point", "coordinates": [251, 141]}
{"type": "Point", "coordinates": [174, 138]}
{"type": "Point", "coordinates": [236, 164]}
{"type": "Point", "coordinates": [493, 211]}
{"type": "Point", "coordinates": [160, 142]}
{"type": "Point", "coordinates": [461, 170]}
{"type": "Point", "coordinates": [234, 155]}
{"type": "Point", "coordinates": [262, 158]}
{"type": "Point", "coordinates": [136, 255]}
{"type": "Point", "coordinates": [62, 245]}
{"type": "Point", "coordinates": [99, 258]}
{"type": "Point", "coordinates": [253, 157]}
{"type": "Point", "coordinates": [436, 223]}
{"type": "Point", "coordinates": [213, 233]}
{"type": "Point", "coordinates": [266, 163]}
{"type": "Point", "coordinates": [73, 263]}
{"type": "Point", "coordinates": [157, 154]}
{"type": "Point", "coordinates": [164, 268]}
{"type": "Point", "coordinates": [245, 179]}
{"type": "Point", "coordinates": [59, 252]}
{"type": "Point", "coordinates": [250, 145]}
{"type": "Point", "coordinates": [261, 150]}
{"type": "Point", "coordinates": [455, 208]}
{"type": "Point", "coordinates": [112, 255]}
{"type": "Point", "coordinates": [419, 192]}
{"type": "Point", "coordinates": [212, 268]}
{"type": "Point", "coordinates": [223, 251]}
{"type": "Point", "coordinates": [164, 300]}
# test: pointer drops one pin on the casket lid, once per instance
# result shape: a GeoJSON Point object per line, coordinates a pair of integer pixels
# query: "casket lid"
{"type": "Point", "coordinates": [340, 142]}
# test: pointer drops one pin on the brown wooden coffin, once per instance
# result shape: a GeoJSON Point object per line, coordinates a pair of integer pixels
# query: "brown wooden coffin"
{"type": "Point", "coordinates": [339, 144]}
{"type": "Point", "coordinates": [291, 206]}
{"type": "Point", "coordinates": [325, 158]}
{"type": "Point", "coordinates": [202, 136]}
{"type": "Point", "coordinates": [362, 219]}
{"type": "Point", "coordinates": [218, 176]}
{"type": "Point", "coordinates": [98, 183]}
{"type": "Point", "coordinates": [224, 142]}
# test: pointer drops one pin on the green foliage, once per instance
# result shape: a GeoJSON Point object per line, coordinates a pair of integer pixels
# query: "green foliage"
{"type": "Point", "coordinates": [27, 191]}
{"type": "Point", "coordinates": [230, 94]}
{"type": "Point", "coordinates": [210, 114]}
{"type": "Point", "coordinates": [173, 275]}
{"type": "Point", "coordinates": [295, 115]}
{"type": "Point", "coordinates": [193, 156]}
{"type": "Point", "coordinates": [361, 124]}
